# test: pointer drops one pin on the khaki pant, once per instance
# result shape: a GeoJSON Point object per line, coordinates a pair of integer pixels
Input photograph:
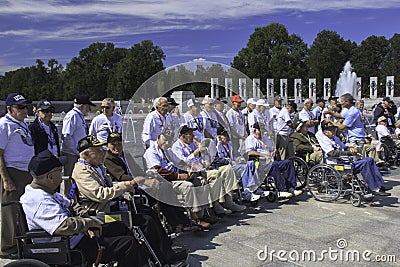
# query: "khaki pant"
{"type": "Point", "coordinates": [284, 147]}
{"type": "Point", "coordinates": [316, 157]}
{"type": "Point", "coordinates": [222, 181]}
{"type": "Point", "coordinates": [367, 150]}
{"type": "Point", "coordinates": [9, 214]}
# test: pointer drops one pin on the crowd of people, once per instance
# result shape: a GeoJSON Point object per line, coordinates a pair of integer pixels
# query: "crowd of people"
{"type": "Point", "coordinates": [200, 157]}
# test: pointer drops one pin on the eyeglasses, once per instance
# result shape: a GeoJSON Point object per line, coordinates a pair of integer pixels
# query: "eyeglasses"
{"type": "Point", "coordinates": [106, 107]}
{"type": "Point", "coordinates": [21, 107]}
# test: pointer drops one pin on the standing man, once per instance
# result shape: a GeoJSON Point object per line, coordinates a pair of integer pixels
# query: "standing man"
{"type": "Point", "coordinates": [44, 131]}
{"type": "Point", "coordinates": [251, 104]}
{"type": "Point", "coordinates": [210, 120]}
{"type": "Point", "coordinates": [74, 129]}
{"type": "Point", "coordinates": [306, 115]}
{"type": "Point", "coordinates": [237, 126]}
{"type": "Point", "coordinates": [107, 122]}
{"type": "Point", "coordinates": [173, 117]}
{"type": "Point", "coordinates": [16, 150]}
{"type": "Point", "coordinates": [193, 119]}
{"type": "Point", "coordinates": [222, 119]}
{"type": "Point", "coordinates": [274, 111]}
{"type": "Point", "coordinates": [383, 109]}
{"type": "Point", "coordinates": [284, 126]}
{"type": "Point", "coordinates": [317, 111]}
{"type": "Point", "coordinates": [155, 121]}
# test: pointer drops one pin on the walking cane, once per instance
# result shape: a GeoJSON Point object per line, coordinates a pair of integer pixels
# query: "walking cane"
{"type": "Point", "coordinates": [100, 247]}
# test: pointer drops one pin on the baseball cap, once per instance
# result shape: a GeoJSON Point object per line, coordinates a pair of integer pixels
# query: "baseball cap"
{"type": "Point", "coordinates": [16, 99]}
{"type": "Point", "coordinates": [332, 97]}
{"type": "Point", "coordinates": [319, 100]}
{"type": "Point", "coordinates": [207, 100]}
{"type": "Point", "coordinates": [114, 136]}
{"type": "Point", "coordinates": [252, 101]}
{"type": "Point", "coordinates": [258, 126]}
{"type": "Point", "coordinates": [43, 105]}
{"type": "Point", "coordinates": [278, 98]}
{"type": "Point", "coordinates": [222, 131]}
{"type": "Point", "coordinates": [386, 98]}
{"type": "Point", "coordinates": [89, 141]}
{"type": "Point", "coordinates": [192, 102]}
{"type": "Point", "coordinates": [185, 129]}
{"type": "Point", "coordinates": [298, 125]}
{"type": "Point", "coordinates": [44, 162]}
{"type": "Point", "coordinates": [236, 98]}
{"type": "Point", "coordinates": [382, 118]}
{"type": "Point", "coordinates": [262, 102]}
{"type": "Point", "coordinates": [327, 125]}
{"type": "Point", "coordinates": [84, 100]}
{"type": "Point", "coordinates": [172, 101]}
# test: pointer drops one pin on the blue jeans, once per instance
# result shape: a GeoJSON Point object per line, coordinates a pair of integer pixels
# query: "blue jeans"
{"type": "Point", "coordinates": [286, 167]}
{"type": "Point", "coordinates": [369, 172]}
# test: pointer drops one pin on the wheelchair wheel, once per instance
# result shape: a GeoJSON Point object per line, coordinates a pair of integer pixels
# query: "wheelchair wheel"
{"type": "Point", "coordinates": [301, 171]}
{"type": "Point", "coordinates": [27, 263]}
{"type": "Point", "coordinates": [324, 183]}
{"type": "Point", "coordinates": [355, 199]}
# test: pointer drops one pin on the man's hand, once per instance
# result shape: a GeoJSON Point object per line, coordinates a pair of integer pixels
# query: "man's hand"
{"type": "Point", "coordinates": [152, 183]}
{"type": "Point", "coordinates": [9, 185]}
{"type": "Point", "coordinates": [353, 150]}
{"type": "Point", "coordinates": [94, 232]}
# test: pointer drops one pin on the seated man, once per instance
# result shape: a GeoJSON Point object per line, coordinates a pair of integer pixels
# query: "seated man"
{"type": "Point", "coordinates": [384, 134]}
{"type": "Point", "coordinates": [221, 181]}
{"type": "Point", "coordinates": [260, 155]}
{"type": "Point", "coordinates": [117, 166]}
{"type": "Point", "coordinates": [306, 144]}
{"type": "Point", "coordinates": [98, 192]}
{"type": "Point", "coordinates": [48, 210]}
{"type": "Point", "coordinates": [333, 147]}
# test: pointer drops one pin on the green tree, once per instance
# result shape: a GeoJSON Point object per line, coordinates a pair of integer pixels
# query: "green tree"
{"type": "Point", "coordinates": [141, 62]}
{"type": "Point", "coordinates": [328, 54]}
{"type": "Point", "coordinates": [391, 63]}
{"type": "Point", "coordinates": [368, 58]}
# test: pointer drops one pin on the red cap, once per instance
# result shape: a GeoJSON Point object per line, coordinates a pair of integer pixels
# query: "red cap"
{"type": "Point", "coordinates": [237, 98]}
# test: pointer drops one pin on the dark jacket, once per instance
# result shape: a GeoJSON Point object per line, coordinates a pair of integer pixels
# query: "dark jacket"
{"type": "Point", "coordinates": [40, 138]}
{"type": "Point", "coordinates": [380, 111]}
{"type": "Point", "coordinates": [302, 144]}
{"type": "Point", "coordinates": [117, 168]}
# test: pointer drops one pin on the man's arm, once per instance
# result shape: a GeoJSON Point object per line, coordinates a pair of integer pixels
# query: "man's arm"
{"type": "Point", "coordinates": [8, 183]}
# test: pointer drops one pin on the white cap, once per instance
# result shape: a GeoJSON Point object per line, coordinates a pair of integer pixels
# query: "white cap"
{"type": "Point", "coordinates": [252, 101]}
{"type": "Point", "coordinates": [192, 102]}
{"type": "Point", "coordinates": [262, 102]}
{"type": "Point", "coordinates": [207, 100]}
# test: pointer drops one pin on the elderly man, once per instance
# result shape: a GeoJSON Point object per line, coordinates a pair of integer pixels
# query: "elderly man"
{"type": "Point", "coordinates": [221, 181]}
{"type": "Point", "coordinates": [173, 117]}
{"type": "Point", "coordinates": [97, 190]}
{"type": "Point", "coordinates": [274, 111]}
{"type": "Point", "coordinates": [383, 109]}
{"type": "Point", "coordinates": [107, 122]}
{"type": "Point", "coordinates": [237, 125]}
{"type": "Point", "coordinates": [284, 126]}
{"type": "Point", "coordinates": [44, 131]}
{"type": "Point", "coordinates": [219, 111]}
{"type": "Point", "coordinates": [74, 129]}
{"type": "Point", "coordinates": [193, 119]}
{"type": "Point", "coordinates": [210, 119]}
{"type": "Point", "coordinates": [155, 121]}
{"type": "Point", "coordinates": [306, 115]}
{"type": "Point", "coordinates": [306, 144]}
{"type": "Point", "coordinates": [354, 126]}
{"type": "Point", "coordinates": [333, 147]}
{"type": "Point", "coordinates": [260, 114]}
{"type": "Point", "coordinates": [48, 210]}
{"type": "Point", "coordinates": [251, 104]}
{"type": "Point", "coordinates": [16, 149]}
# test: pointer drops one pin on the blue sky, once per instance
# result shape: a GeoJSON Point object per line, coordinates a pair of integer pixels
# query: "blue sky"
{"type": "Point", "coordinates": [214, 30]}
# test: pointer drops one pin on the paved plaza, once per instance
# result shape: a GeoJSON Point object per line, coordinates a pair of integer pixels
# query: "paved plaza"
{"type": "Point", "coordinates": [303, 232]}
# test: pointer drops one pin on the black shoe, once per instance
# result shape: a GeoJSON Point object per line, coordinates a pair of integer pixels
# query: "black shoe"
{"type": "Point", "coordinates": [12, 256]}
{"type": "Point", "coordinates": [386, 188]}
{"type": "Point", "coordinates": [381, 193]}
{"type": "Point", "coordinates": [210, 219]}
{"type": "Point", "coordinates": [383, 169]}
{"type": "Point", "coordinates": [178, 256]}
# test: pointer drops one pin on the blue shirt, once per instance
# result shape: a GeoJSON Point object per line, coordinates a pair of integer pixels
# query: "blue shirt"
{"type": "Point", "coordinates": [354, 124]}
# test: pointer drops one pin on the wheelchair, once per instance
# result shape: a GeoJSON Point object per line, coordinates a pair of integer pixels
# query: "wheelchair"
{"type": "Point", "coordinates": [390, 153]}
{"type": "Point", "coordinates": [328, 182]}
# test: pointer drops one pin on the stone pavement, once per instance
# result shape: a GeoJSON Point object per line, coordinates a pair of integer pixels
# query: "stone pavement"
{"type": "Point", "coordinates": [338, 233]}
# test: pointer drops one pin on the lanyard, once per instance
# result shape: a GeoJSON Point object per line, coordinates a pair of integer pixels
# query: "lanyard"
{"type": "Point", "coordinates": [25, 129]}
{"type": "Point", "coordinates": [226, 151]}
{"type": "Point", "coordinates": [83, 122]}
{"type": "Point", "coordinates": [126, 164]}
{"type": "Point", "coordinates": [106, 182]}
{"type": "Point", "coordinates": [26, 137]}
{"type": "Point", "coordinates": [239, 117]}
{"type": "Point", "coordinates": [50, 136]}
{"type": "Point", "coordinates": [213, 123]}
{"type": "Point", "coordinates": [263, 145]}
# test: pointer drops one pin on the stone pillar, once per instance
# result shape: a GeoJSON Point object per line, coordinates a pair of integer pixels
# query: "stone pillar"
{"type": "Point", "coordinates": [390, 86]}
{"type": "Point", "coordinates": [256, 88]}
{"type": "Point", "coordinates": [297, 91]}
{"type": "Point", "coordinates": [228, 87]}
{"type": "Point", "coordinates": [270, 91]}
{"type": "Point", "coordinates": [312, 89]}
{"type": "Point", "coordinates": [214, 88]}
{"type": "Point", "coordinates": [284, 89]}
{"type": "Point", "coordinates": [373, 87]}
{"type": "Point", "coordinates": [359, 88]}
{"type": "Point", "coordinates": [181, 97]}
{"type": "Point", "coordinates": [327, 88]}
{"type": "Point", "coordinates": [242, 88]}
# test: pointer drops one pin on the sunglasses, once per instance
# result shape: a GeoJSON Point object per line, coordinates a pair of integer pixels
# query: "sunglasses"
{"type": "Point", "coordinates": [106, 107]}
{"type": "Point", "coordinates": [20, 107]}
{"type": "Point", "coordinates": [49, 110]}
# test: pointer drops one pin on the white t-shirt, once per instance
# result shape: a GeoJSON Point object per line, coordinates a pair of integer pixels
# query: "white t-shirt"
{"type": "Point", "coordinates": [273, 115]}
{"type": "Point", "coordinates": [305, 115]}
{"type": "Point", "coordinates": [102, 126]}
{"type": "Point", "coordinates": [74, 129]}
{"type": "Point", "coordinates": [194, 122]}
{"type": "Point", "coordinates": [16, 141]}
{"type": "Point", "coordinates": [210, 121]}
{"type": "Point", "coordinates": [382, 131]}
{"type": "Point", "coordinates": [236, 121]}
{"type": "Point", "coordinates": [152, 127]}
{"type": "Point", "coordinates": [281, 125]}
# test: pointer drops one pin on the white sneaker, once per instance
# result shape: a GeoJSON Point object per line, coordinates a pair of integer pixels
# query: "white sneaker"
{"type": "Point", "coordinates": [295, 192]}
{"type": "Point", "coordinates": [249, 196]}
{"type": "Point", "coordinates": [261, 192]}
{"type": "Point", "coordinates": [285, 195]}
